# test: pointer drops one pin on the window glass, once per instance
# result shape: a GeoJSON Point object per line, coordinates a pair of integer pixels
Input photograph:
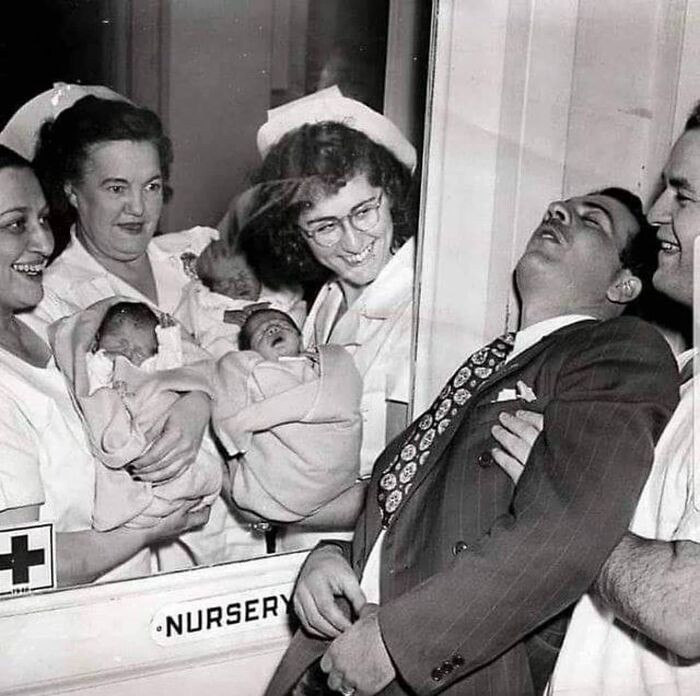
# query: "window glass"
{"type": "Point", "coordinates": [211, 71]}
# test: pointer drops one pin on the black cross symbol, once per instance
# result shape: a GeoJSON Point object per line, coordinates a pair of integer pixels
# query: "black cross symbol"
{"type": "Point", "coordinates": [20, 559]}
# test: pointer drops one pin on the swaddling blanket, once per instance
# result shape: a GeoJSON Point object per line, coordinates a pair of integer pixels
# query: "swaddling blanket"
{"type": "Point", "coordinates": [296, 431]}
{"type": "Point", "coordinates": [123, 420]}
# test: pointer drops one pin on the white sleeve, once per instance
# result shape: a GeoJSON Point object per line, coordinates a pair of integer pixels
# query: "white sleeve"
{"type": "Point", "coordinates": [20, 476]}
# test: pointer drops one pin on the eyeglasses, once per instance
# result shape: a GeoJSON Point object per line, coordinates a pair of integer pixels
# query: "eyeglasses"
{"type": "Point", "coordinates": [328, 231]}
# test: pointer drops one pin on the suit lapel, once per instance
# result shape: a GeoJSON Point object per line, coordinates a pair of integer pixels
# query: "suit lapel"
{"type": "Point", "coordinates": [513, 366]}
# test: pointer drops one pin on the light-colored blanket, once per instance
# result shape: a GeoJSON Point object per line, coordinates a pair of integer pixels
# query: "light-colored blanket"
{"type": "Point", "coordinates": [296, 433]}
{"type": "Point", "coordinates": [123, 422]}
{"type": "Point", "coordinates": [203, 312]}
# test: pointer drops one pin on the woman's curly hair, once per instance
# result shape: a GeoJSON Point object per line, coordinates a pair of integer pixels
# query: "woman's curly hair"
{"type": "Point", "coordinates": [312, 161]}
{"type": "Point", "coordinates": [65, 142]}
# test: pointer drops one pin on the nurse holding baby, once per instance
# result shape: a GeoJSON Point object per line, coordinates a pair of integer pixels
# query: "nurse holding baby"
{"type": "Point", "coordinates": [105, 164]}
{"type": "Point", "coordinates": [47, 471]}
{"type": "Point", "coordinates": [332, 206]}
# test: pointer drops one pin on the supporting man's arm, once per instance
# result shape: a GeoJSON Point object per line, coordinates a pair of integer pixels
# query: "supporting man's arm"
{"type": "Point", "coordinates": [570, 509]}
{"type": "Point", "coordinates": [654, 586]}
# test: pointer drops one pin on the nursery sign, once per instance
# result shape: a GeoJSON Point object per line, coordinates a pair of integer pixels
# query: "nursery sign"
{"type": "Point", "coordinates": [227, 614]}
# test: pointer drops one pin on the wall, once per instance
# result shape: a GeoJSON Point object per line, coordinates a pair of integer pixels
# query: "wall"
{"type": "Point", "coordinates": [534, 100]}
{"type": "Point", "coordinates": [214, 101]}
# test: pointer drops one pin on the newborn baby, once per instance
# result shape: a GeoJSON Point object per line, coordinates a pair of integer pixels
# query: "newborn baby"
{"type": "Point", "coordinates": [129, 329]}
{"type": "Point", "coordinates": [226, 284]}
{"type": "Point", "coordinates": [133, 331]}
{"type": "Point", "coordinates": [289, 419]}
{"type": "Point", "coordinates": [271, 333]}
{"type": "Point", "coordinates": [227, 273]}
{"type": "Point", "coordinates": [127, 367]}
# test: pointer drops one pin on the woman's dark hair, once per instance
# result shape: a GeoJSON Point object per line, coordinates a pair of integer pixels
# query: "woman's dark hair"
{"type": "Point", "coordinates": [316, 158]}
{"type": "Point", "coordinates": [64, 145]}
{"type": "Point", "coordinates": [9, 158]}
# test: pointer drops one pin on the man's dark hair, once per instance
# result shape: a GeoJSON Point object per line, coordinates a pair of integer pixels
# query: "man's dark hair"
{"type": "Point", "coordinates": [137, 313]}
{"type": "Point", "coordinates": [65, 142]}
{"type": "Point", "coordinates": [315, 159]}
{"type": "Point", "coordinates": [639, 254]}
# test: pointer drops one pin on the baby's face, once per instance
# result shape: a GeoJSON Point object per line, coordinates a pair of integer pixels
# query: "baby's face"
{"type": "Point", "coordinates": [227, 273]}
{"type": "Point", "coordinates": [273, 335]}
{"type": "Point", "coordinates": [135, 343]}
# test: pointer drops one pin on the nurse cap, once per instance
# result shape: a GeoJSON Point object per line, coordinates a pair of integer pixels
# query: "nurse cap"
{"type": "Point", "coordinates": [22, 130]}
{"type": "Point", "coordinates": [330, 105]}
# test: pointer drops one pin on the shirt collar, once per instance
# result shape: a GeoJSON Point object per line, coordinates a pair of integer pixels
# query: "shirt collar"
{"type": "Point", "coordinates": [526, 338]}
{"type": "Point", "coordinates": [82, 258]}
{"type": "Point", "coordinates": [85, 270]}
{"type": "Point", "coordinates": [85, 259]}
{"type": "Point", "coordinates": [380, 298]}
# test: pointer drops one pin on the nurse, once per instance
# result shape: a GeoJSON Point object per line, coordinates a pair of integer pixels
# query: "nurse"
{"type": "Point", "coordinates": [332, 207]}
{"type": "Point", "coordinates": [105, 164]}
{"type": "Point", "coordinates": [46, 469]}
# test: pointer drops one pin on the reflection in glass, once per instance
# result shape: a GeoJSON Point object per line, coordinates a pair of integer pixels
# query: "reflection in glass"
{"type": "Point", "coordinates": [251, 62]}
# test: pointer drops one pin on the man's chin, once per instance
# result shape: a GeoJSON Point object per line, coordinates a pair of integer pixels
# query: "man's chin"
{"type": "Point", "coordinates": [671, 286]}
{"type": "Point", "coordinates": [536, 258]}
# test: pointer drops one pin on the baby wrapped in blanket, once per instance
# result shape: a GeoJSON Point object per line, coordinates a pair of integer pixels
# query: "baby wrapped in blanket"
{"type": "Point", "coordinates": [289, 419]}
{"type": "Point", "coordinates": [222, 286]}
{"type": "Point", "coordinates": [127, 367]}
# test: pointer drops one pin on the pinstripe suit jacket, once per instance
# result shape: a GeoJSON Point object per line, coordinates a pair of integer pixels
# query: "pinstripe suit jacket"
{"type": "Point", "coordinates": [472, 566]}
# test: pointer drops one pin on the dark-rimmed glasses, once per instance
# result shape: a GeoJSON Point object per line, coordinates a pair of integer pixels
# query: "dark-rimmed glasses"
{"type": "Point", "coordinates": [328, 231]}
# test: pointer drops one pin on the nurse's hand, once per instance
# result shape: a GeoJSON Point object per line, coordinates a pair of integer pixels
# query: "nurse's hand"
{"type": "Point", "coordinates": [182, 520]}
{"type": "Point", "coordinates": [516, 434]}
{"type": "Point", "coordinates": [177, 446]}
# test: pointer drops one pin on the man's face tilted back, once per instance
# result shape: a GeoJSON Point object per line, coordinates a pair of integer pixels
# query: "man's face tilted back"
{"type": "Point", "coordinates": [572, 262]}
{"type": "Point", "coordinates": [676, 213]}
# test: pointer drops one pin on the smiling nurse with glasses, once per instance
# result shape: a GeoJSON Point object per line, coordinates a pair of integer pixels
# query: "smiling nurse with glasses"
{"type": "Point", "coordinates": [332, 204]}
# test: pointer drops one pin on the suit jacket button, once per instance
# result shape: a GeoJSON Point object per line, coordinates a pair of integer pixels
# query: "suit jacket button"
{"type": "Point", "coordinates": [437, 674]}
{"type": "Point", "coordinates": [457, 660]}
{"type": "Point", "coordinates": [458, 547]}
{"type": "Point", "coordinates": [485, 459]}
{"type": "Point", "coordinates": [447, 667]}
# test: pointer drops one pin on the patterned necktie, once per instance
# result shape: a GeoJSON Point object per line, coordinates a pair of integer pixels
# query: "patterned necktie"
{"type": "Point", "coordinates": [398, 476]}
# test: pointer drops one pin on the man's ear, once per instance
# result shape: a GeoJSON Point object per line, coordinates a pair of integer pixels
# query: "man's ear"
{"type": "Point", "coordinates": [70, 194]}
{"type": "Point", "coordinates": [625, 288]}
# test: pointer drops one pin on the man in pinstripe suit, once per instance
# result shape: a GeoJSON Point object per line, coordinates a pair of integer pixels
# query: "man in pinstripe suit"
{"type": "Point", "coordinates": [454, 590]}
{"type": "Point", "coordinates": [642, 612]}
